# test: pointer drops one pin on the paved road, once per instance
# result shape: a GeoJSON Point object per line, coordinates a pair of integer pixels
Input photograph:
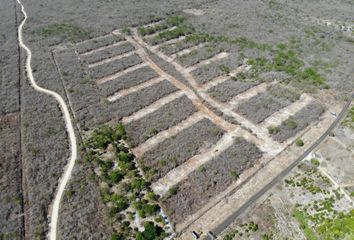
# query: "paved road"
{"type": "Point", "coordinates": [219, 229]}
{"type": "Point", "coordinates": [69, 127]}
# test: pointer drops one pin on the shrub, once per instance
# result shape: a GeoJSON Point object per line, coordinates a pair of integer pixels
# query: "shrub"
{"type": "Point", "coordinates": [291, 123]}
{"type": "Point", "coordinates": [120, 203]}
{"type": "Point", "coordinates": [116, 176]}
{"type": "Point", "coordinates": [315, 162]}
{"type": "Point", "coordinates": [234, 175]}
{"type": "Point", "coordinates": [299, 142]}
{"type": "Point", "coordinates": [125, 157]}
{"type": "Point", "coordinates": [151, 232]}
{"type": "Point", "coordinates": [273, 130]}
{"type": "Point", "coordinates": [172, 191]}
{"type": "Point", "coordinates": [138, 184]}
{"type": "Point", "coordinates": [311, 75]}
{"type": "Point", "coordinates": [118, 133]}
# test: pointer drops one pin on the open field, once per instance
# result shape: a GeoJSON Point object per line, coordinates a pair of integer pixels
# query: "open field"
{"type": "Point", "coordinates": [213, 99]}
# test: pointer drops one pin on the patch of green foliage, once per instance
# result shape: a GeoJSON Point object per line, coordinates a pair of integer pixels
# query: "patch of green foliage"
{"type": "Point", "coordinates": [151, 232]}
{"type": "Point", "coordinates": [123, 184]}
{"type": "Point", "coordinates": [290, 123]}
{"type": "Point", "coordinates": [301, 218]}
{"type": "Point", "coordinates": [299, 142]}
{"type": "Point", "coordinates": [349, 119]}
{"type": "Point", "coordinates": [273, 130]}
{"type": "Point", "coordinates": [315, 162]}
{"type": "Point", "coordinates": [66, 31]}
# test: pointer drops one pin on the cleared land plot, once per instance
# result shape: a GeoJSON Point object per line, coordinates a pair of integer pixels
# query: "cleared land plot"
{"type": "Point", "coordinates": [210, 179]}
{"type": "Point", "coordinates": [298, 121]}
{"type": "Point", "coordinates": [179, 46]}
{"type": "Point", "coordinates": [131, 103]}
{"type": "Point", "coordinates": [213, 70]}
{"type": "Point", "coordinates": [108, 52]}
{"type": "Point", "coordinates": [165, 117]}
{"type": "Point", "coordinates": [128, 80]}
{"type": "Point", "coordinates": [175, 151]}
{"type": "Point", "coordinates": [199, 55]}
{"type": "Point", "coordinates": [89, 45]}
{"type": "Point", "coordinates": [265, 104]}
{"type": "Point", "coordinates": [225, 91]}
{"type": "Point", "coordinates": [115, 66]}
{"type": "Point", "coordinates": [171, 33]}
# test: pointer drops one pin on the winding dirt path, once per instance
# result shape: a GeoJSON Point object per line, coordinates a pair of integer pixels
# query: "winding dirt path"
{"type": "Point", "coordinates": [69, 126]}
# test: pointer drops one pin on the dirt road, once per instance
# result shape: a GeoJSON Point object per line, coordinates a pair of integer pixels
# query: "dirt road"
{"type": "Point", "coordinates": [69, 127]}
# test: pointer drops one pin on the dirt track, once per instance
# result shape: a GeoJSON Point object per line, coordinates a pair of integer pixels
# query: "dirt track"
{"type": "Point", "coordinates": [70, 129]}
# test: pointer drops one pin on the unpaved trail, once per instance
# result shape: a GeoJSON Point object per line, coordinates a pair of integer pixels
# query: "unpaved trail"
{"type": "Point", "coordinates": [69, 127]}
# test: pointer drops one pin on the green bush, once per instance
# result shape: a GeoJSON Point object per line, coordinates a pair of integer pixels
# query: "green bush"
{"type": "Point", "coordinates": [138, 184]}
{"type": "Point", "coordinates": [120, 203]}
{"type": "Point", "coordinates": [151, 232]}
{"type": "Point", "coordinates": [273, 130]}
{"type": "Point", "coordinates": [125, 157]}
{"type": "Point", "coordinates": [116, 176]}
{"type": "Point", "coordinates": [299, 142]}
{"type": "Point", "coordinates": [291, 123]}
{"type": "Point", "coordinates": [315, 162]}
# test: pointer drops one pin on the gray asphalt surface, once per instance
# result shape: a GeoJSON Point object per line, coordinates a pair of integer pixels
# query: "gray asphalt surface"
{"type": "Point", "coordinates": [219, 229]}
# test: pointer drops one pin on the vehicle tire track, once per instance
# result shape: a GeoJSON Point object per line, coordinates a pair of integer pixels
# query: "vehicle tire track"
{"type": "Point", "coordinates": [69, 127]}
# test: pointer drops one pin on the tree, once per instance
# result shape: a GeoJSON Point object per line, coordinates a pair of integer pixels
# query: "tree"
{"type": "Point", "coordinates": [151, 232]}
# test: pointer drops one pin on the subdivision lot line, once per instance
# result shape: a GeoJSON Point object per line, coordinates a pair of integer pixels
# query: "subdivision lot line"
{"type": "Point", "coordinates": [273, 147]}
{"type": "Point", "coordinates": [187, 51]}
{"type": "Point", "coordinates": [133, 89]}
{"type": "Point", "coordinates": [278, 117]}
{"type": "Point", "coordinates": [260, 88]}
{"type": "Point", "coordinates": [139, 45]}
{"type": "Point", "coordinates": [111, 59]}
{"type": "Point", "coordinates": [220, 79]}
{"type": "Point", "coordinates": [161, 136]}
{"type": "Point", "coordinates": [54, 215]}
{"type": "Point", "coordinates": [158, 32]}
{"type": "Point", "coordinates": [120, 73]}
{"type": "Point", "coordinates": [102, 48]}
{"type": "Point", "coordinates": [215, 58]}
{"type": "Point", "coordinates": [172, 41]}
{"type": "Point", "coordinates": [153, 107]}
{"type": "Point", "coordinates": [181, 172]}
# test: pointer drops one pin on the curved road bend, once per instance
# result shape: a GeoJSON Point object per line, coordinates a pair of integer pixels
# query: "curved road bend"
{"type": "Point", "coordinates": [69, 127]}
{"type": "Point", "coordinates": [219, 229]}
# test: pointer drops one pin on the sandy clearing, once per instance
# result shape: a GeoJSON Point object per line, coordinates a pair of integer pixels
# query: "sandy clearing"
{"type": "Point", "coordinates": [54, 215]}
